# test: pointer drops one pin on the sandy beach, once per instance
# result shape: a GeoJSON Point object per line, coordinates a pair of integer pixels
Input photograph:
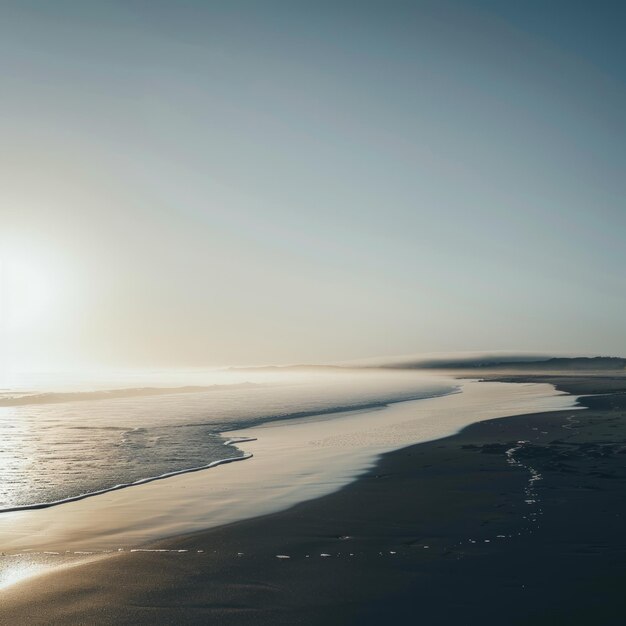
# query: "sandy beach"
{"type": "Point", "coordinates": [312, 313]}
{"type": "Point", "coordinates": [368, 548]}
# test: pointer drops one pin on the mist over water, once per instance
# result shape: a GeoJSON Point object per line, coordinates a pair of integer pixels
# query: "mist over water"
{"type": "Point", "coordinates": [63, 441]}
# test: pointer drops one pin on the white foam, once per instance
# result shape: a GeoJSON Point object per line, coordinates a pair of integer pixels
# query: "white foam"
{"type": "Point", "coordinates": [143, 481]}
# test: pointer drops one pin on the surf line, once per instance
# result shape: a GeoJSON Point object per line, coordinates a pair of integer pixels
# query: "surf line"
{"type": "Point", "coordinates": [142, 481]}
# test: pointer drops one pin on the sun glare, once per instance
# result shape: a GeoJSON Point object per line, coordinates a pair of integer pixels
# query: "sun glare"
{"type": "Point", "coordinates": [17, 573]}
{"type": "Point", "coordinates": [27, 293]}
{"type": "Point", "coordinates": [30, 307]}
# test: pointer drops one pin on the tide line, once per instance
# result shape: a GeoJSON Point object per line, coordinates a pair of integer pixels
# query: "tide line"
{"type": "Point", "coordinates": [142, 481]}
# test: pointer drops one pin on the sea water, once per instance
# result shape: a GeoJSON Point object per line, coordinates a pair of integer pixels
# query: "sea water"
{"type": "Point", "coordinates": [62, 438]}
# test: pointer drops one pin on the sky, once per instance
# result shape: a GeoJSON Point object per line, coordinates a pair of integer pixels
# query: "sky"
{"type": "Point", "coordinates": [198, 183]}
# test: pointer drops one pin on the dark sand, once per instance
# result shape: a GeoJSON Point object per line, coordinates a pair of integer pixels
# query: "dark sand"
{"type": "Point", "coordinates": [562, 559]}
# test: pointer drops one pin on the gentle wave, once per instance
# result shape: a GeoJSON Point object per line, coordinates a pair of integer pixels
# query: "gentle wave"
{"type": "Point", "coordinates": [143, 481]}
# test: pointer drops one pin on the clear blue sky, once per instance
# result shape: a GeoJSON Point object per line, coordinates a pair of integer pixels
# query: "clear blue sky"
{"type": "Point", "coordinates": [226, 182]}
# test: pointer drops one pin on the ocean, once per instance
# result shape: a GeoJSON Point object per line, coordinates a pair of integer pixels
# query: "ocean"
{"type": "Point", "coordinates": [62, 438]}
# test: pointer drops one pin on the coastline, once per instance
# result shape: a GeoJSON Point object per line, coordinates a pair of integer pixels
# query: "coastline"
{"type": "Point", "coordinates": [286, 462]}
{"type": "Point", "coordinates": [413, 510]}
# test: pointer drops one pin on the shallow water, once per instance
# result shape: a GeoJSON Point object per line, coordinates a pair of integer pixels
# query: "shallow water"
{"type": "Point", "coordinates": [60, 442]}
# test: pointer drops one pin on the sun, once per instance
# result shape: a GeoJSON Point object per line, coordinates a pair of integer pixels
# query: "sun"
{"type": "Point", "coordinates": [36, 295]}
{"type": "Point", "coordinates": [27, 292]}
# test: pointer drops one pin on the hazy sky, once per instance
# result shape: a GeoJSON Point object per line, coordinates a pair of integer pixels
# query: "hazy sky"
{"type": "Point", "coordinates": [219, 182]}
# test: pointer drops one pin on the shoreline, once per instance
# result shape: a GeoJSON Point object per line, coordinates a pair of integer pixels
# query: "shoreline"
{"type": "Point", "coordinates": [229, 440]}
{"type": "Point", "coordinates": [318, 461]}
{"type": "Point", "coordinates": [430, 548]}
{"type": "Point", "coordinates": [263, 539]}
{"type": "Point", "coordinates": [257, 542]}
{"type": "Point", "coordinates": [137, 483]}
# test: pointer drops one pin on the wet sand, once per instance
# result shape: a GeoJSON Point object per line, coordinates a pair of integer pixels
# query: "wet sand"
{"type": "Point", "coordinates": [477, 528]}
